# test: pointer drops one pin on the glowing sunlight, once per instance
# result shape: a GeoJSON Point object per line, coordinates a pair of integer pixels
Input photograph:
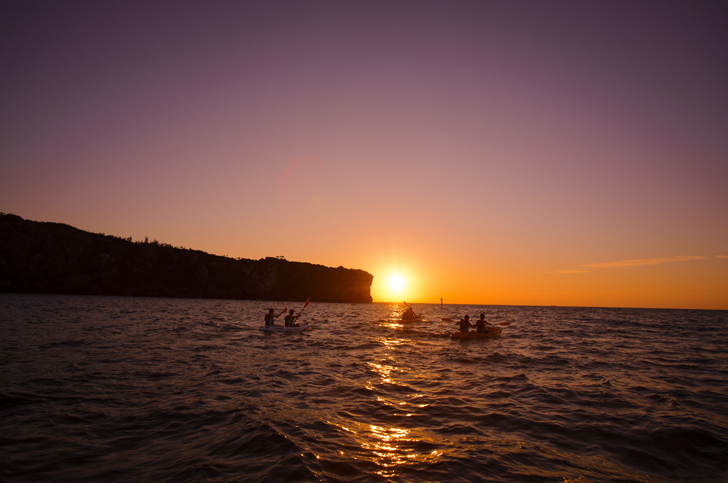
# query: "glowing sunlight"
{"type": "Point", "coordinates": [396, 283]}
{"type": "Point", "coordinates": [391, 288]}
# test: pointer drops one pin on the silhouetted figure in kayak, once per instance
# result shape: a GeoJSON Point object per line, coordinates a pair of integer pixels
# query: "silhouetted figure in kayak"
{"type": "Point", "coordinates": [481, 323]}
{"type": "Point", "coordinates": [290, 319]}
{"type": "Point", "coordinates": [270, 317]}
{"type": "Point", "coordinates": [465, 324]}
{"type": "Point", "coordinates": [408, 315]}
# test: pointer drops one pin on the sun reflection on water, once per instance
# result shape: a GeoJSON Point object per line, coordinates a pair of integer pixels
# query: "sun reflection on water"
{"type": "Point", "coordinates": [384, 372]}
{"type": "Point", "coordinates": [385, 448]}
{"type": "Point", "coordinates": [389, 446]}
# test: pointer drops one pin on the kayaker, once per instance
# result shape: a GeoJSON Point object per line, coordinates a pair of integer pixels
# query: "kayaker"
{"type": "Point", "coordinates": [408, 314]}
{"type": "Point", "coordinates": [465, 324]}
{"type": "Point", "coordinates": [481, 323]}
{"type": "Point", "coordinates": [270, 317]}
{"type": "Point", "coordinates": [290, 319]}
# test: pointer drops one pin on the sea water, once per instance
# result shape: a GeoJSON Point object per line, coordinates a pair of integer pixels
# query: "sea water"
{"type": "Point", "coordinates": [144, 389]}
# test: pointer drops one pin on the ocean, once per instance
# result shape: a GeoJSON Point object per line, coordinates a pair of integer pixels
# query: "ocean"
{"type": "Point", "coordinates": [180, 390]}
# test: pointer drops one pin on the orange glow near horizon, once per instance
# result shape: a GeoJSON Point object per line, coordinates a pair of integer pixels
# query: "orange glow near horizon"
{"type": "Point", "coordinates": [646, 285]}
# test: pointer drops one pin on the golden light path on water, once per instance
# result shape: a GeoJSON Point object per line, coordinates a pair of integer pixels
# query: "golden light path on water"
{"type": "Point", "coordinates": [392, 446]}
{"type": "Point", "coordinates": [401, 394]}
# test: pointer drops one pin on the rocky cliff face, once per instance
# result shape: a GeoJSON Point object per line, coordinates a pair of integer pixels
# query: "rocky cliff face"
{"type": "Point", "coordinates": [56, 258]}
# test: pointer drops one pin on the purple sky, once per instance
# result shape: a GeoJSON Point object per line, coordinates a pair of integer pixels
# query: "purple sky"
{"type": "Point", "coordinates": [491, 152]}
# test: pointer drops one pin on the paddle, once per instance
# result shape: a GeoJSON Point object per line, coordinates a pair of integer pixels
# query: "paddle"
{"type": "Point", "coordinates": [502, 323]}
{"type": "Point", "coordinates": [506, 323]}
{"type": "Point", "coordinates": [304, 306]}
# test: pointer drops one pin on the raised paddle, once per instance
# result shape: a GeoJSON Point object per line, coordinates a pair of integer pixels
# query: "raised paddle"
{"type": "Point", "coordinates": [304, 306]}
{"type": "Point", "coordinates": [295, 317]}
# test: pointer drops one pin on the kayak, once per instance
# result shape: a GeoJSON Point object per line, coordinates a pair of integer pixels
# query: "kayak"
{"type": "Point", "coordinates": [280, 328]}
{"type": "Point", "coordinates": [494, 331]}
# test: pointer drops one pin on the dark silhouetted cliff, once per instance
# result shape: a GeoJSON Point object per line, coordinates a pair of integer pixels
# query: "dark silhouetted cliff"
{"type": "Point", "coordinates": [39, 257]}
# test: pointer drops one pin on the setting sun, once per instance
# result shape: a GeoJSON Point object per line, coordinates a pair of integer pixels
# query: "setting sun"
{"type": "Point", "coordinates": [397, 279]}
{"type": "Point", "coordinates": [396, 283]}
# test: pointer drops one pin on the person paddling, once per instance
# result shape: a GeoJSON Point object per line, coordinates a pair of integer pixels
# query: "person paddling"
{"type": "Point", "coordinates": [270, 317]}
{"type": "Point", "coordinates": [481, 323]}
{"type": "Point", "coordinates": [408, 315]}
{"type": "Point", "coordinates": [465, 324]}
{"type": "Point", "coordinates": [290, 319]}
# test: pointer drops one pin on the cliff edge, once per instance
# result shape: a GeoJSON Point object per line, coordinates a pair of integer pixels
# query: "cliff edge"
{"type": "Point", "coordinates": [43, 257]}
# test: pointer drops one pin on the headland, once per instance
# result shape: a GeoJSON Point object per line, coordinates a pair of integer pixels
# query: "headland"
{"type": "Point", "coordinates": [45, 257]}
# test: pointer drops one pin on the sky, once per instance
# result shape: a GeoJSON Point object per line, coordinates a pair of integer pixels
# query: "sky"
{"type": "Point", "coordinates": [506, 153]}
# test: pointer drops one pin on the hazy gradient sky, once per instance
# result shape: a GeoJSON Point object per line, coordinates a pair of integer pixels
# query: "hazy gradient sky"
{"type": "Point", "coordinates": [567, 153]}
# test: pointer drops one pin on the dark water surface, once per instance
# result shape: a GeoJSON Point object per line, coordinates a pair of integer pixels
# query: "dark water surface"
{"type": "Point", "coordinates": [140, 389]}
